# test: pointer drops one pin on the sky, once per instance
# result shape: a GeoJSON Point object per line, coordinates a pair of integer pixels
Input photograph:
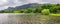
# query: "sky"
{"type": "Point", "coordinates": [4, 4]}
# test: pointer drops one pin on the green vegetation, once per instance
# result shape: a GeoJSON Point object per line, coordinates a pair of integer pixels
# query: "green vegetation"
{"type": "Point", "coordinates": [45, 9]}
{"type": "Point", "coordinates": [54, 14]}
{"type": "Point", "coordinates": [16, 11]}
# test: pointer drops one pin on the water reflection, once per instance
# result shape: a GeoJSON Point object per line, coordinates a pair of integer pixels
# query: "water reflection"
{"type": "Point", "coordinates": [3, 18]}
{"type": "Point", "coordinates": [22, 18]}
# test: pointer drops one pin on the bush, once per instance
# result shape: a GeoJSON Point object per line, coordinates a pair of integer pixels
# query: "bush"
{"type": "Point", "coordinates": [16, 11]}
{"type": "Point", "coordinates": [45, 12]}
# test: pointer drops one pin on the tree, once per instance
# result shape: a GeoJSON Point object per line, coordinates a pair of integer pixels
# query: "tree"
{"type": "Point", "coordinates": [2, 11]}
{"type": "Point", "coordinates": [47, 6]}
{"type": "Point", "coordinates": [54, 9]}
{"type": "Point", "coordinates": [16, 11]}
{"type": "Point", "coordinates": [29, 10]}
{"type": "Point", "coordinates": [37, 10]}
{"type": "Point", "coordinates": [45, 11]}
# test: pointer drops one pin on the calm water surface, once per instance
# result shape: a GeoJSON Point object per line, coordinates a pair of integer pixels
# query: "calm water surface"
{"type": "Point", "coordinates": [21, 18]}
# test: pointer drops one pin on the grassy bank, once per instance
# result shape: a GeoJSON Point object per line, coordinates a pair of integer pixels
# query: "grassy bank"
{"type": "Point", "coordinates": [54, 14]}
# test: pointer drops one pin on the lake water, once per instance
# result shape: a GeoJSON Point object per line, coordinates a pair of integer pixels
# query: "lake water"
{"type": "Point", "coordinates": [9, 18]}
{"type": "Point", "coordinates": [21, 18]}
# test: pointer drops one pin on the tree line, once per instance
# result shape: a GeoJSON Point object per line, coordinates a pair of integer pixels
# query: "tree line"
{"type": "Point", "coordinates": [40, 8]}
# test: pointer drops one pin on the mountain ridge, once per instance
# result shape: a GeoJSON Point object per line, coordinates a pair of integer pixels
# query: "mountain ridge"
{"type": "Point", "coordinates": [22, 7]}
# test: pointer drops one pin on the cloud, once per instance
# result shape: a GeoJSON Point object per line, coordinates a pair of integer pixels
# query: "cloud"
{"type": "Point", "coordinates": [21, 2]}
{"type": "Point", "coordinates": [51, 1]}
{"type": "Point", "coordinates": [2, 1]}
{"type": "Point", "coordinates": [3, 7]}
{"type": "Point", "coordinates": [12, 3]}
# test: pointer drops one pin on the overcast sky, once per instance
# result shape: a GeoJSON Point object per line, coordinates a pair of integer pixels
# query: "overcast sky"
{"type": "Point", "coordinates": [12, 3]}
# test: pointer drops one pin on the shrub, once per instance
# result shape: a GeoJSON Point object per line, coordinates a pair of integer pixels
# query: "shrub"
{"type": "Point", "coordinates": [45, 11]}
{"type": "Point", "coordinates": [16, 11]}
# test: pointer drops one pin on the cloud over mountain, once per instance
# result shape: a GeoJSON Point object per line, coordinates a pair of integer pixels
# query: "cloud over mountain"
{"type": "Point", "coordinates": [12, 3]}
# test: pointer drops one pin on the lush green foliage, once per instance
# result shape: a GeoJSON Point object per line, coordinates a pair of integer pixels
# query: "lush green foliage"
{"type": "Point", "coordinates": [54, 14]}
{"type": "Point", "coordinates": [45, 11]}
{"type": "Point", "coordinates": [45, 8]}
{"type": "Point", "coordinates": [16, 11]}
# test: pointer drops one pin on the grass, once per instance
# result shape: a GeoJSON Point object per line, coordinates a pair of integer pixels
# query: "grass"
{"type": "Point", "coordinates": [54, 14]}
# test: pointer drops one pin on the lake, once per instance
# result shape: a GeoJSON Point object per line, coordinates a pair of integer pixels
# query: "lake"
{"type": "Point", "coordinates": [22, 18]}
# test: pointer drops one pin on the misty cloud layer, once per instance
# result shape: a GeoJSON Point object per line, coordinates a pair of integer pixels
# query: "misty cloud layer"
{"type": "Point", "coordinates": [12, 3]}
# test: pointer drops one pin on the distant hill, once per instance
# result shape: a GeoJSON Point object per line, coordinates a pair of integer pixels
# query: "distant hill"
{"type": "Point", "coordinates": [23, 6]}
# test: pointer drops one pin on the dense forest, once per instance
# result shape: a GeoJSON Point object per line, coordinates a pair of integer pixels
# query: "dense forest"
{"type": "Point", "coordinates": [39, 8]}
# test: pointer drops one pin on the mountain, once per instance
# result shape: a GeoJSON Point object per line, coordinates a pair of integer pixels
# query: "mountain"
{"type": "Point", "coordinates": [23, 6]}
{"type": "Point", "coordinates": [10, 8]}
